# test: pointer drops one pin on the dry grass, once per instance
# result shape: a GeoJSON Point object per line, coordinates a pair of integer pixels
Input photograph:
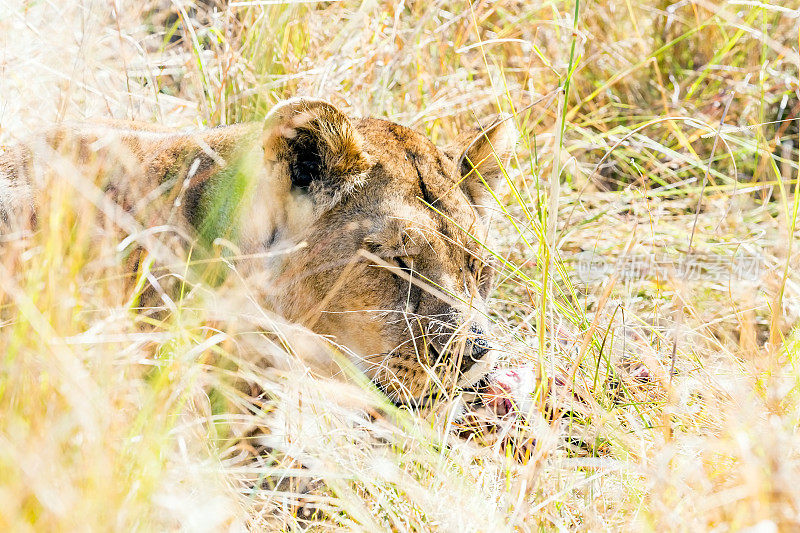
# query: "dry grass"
{"type": "Point", "coordinates": [114, 418]}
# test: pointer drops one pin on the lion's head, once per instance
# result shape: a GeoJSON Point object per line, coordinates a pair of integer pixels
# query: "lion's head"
{"type": "Point", "coordinates": [394, 265]}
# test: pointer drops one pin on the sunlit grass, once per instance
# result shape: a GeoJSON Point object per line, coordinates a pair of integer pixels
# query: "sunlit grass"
{"type": "Point", "coordinates": [114, 416]}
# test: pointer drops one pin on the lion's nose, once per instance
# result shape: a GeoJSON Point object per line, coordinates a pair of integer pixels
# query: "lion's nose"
{"type": "Point", "coordinates": [480, 347]}
{"type": "Point", "coordinates": [478, 344]}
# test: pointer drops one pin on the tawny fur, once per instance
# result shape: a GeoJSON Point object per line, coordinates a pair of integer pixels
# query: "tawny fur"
{"type": "Point", "coordinates": [388, 263]}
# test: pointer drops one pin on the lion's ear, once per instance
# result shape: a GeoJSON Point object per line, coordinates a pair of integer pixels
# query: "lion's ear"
{"type": "Point", "coordinates": [481, 154]}
{"type": "Point", "coordinates": [322, 152]}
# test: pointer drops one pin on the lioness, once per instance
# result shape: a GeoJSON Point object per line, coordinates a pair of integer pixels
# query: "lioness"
{"type": "Point", "coordinates": [376, 231]}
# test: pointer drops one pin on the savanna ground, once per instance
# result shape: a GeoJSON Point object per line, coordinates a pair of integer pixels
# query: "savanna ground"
{"type": "Point", "coordinates": [655, 128]}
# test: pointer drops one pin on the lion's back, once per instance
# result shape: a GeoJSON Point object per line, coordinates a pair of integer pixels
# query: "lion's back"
{"type": "Point", "coordinates": [141, 165]}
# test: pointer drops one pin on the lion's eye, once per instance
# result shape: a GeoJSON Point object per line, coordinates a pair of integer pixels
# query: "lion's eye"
{"type": "Point", "coordinates": [405, 263]}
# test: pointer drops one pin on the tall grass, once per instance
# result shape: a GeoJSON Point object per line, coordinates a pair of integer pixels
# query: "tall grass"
{"type": "Point", "coordinates": [682, 408]}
